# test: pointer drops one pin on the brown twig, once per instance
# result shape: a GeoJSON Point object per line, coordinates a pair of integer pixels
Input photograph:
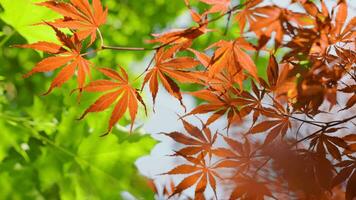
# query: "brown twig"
{"type": "Point", "coordinates": [121, 48]}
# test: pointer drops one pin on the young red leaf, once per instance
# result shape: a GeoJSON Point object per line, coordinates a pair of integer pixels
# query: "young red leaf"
{"type": "Point", "coordinates": [183, 169]}
{"type": "Point", "coordinates": [197, 140]}
{"type": "Point", "coordinates": [68, 56]}
{"type": "Point", "coordinates": [78, 15]}
{"type": "Point", "coordinates": [166, 67]}
{"type": "Point", "coordinates": [186, 183]}
{"type": "Point", "coordinates": [125, 96]}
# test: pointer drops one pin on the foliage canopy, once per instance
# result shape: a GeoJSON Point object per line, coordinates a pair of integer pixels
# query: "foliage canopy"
{"type": "Point", "coordinates": [288, 147]}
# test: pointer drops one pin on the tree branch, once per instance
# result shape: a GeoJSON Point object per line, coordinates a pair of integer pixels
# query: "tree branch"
{"type": "Point", "coordinates": [119, 48]}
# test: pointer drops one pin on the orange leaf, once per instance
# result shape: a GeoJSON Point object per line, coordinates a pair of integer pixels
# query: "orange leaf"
{"type": "Point", "coordinates": [181, 138]}
{"type": "Point", "coordinates": [193, 131]}
{"type": "Point", "coordinates": [118, 111]}
{"type": "Point", "coordinates": [350, 137]}
{"type": "Point", "coordinates": [62, 76]}
{"type": "Point", "coordinates": [272, 71]}
{"type": "Point", "coordinates": [186, 183]}
{"type": "Point", "coordinates": [126, 96]}
{"type": "Point", "coordinates": [264, 126]}
{"type": "Point", "coordinates": [68, 56]}
{"type": "Point", "coordinates": [47, 47]}
{"type": "Point", "coordinates": [78, 15]}
{"type": "Point", "coordinates": [228, 164]}
{"type": "Point", "coordinates": [103, 102]}
{"type": "Point", "coordinates": [200, 188]}
{"type": "Point", "coordinates": [342, 176]}
{"type": "Point", "coordinates": [183, 169]}
{"type": "Point", "coordinates": [100, 86]}
{"type": "Point", "coordinates": [167, 69]}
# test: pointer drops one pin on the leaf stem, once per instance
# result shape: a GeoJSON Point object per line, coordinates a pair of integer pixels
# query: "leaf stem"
{"type": "Point", "coordinates": [101, 37]}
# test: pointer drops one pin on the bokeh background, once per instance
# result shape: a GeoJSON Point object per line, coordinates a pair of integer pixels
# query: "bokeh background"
{"type": "Point", "coordinates": [45, 152]}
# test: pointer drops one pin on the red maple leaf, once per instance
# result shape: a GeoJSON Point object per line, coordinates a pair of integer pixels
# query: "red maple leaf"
{"type": "Point", "coordinates": [78, 15]}
{"type": "Point", "coordinates": [183, 37]}
{"type": "Point", "coordinates": [199, 172]}
{"type": "Point", "coordinates": [68, 55]}
{"type": "Point", "coordinates": [168, 68]}
{"type": "Point", "coordinates": [119, 91]}
{"type": "Point", "coordinates": [220, 104]}
{"type": "Point", "coordinates": [278, 123]}
{"type": "Point", "coordinates": [230, 56]}
{"type": "Point", "coordinates": [196, 141]}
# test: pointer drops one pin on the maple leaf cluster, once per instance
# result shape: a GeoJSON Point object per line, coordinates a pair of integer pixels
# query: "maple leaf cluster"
{"type": "Point", "coordinates": [270, 157]}
{"type": "Point", "coordinates": [84, 20]}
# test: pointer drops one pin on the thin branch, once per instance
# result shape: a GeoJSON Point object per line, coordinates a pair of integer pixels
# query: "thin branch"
{"type": "Point", "coordinates": [307, 137]}
{"type": "Point", "coordinates": [148, 66]}
{"type": "Point", "coordinates": [296, 134]}
{"type": "Point", "coordinates": [335, 123]}
{"type": "Point", "coordinates": [101, 37]}
{"type": "Point", "coordinates": [227, 24]}
{"type": "Point", "coordinates": [326, 126]}
{"type": "Point", "coordinates": [237, 7]}
{"type": "Point", "coordinates": [261, 166]}
{"type": "Point", "coordinates": [118, 48]}
{"type": "Point", "coordinates": [90, 52]}
{"type": "Point", "coordinates": [315, 123]}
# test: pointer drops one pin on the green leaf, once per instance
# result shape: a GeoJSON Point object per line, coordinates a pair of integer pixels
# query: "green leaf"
{"type": "Point", "coordinates": [22, 14]}
{"type": "Point", "coordinates": [42, 119]}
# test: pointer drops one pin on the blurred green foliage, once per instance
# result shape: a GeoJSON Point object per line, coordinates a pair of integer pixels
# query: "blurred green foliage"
{"type": "Point", "coordinates": [20, 14]}
{"type": "Point", "coordinates": [45, 153]}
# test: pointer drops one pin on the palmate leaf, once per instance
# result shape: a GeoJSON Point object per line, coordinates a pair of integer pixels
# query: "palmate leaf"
{"type": "Point", "coordinates": [196, 140]}
{"type": "Point", "coordinates": [332, 144]}
{"type": "Point", "coordinates": [236, 157]}
{"type": "Point", "coordinates": [248, 14]}
{"type": "Point", "coordinates": [277, 125]}
{"type": "Point", "coordinates": [197, 172]}
{"type": "Point", "coordinates": [168, 68]}
{"type": "Point", "coordinates": [281, 79]}
{"type": "Point", "coordinates": [121, 92]}
{"type": "Point", "coordinates": [266, 20]}
{"type": "Point", "coordinates": [222, 81]}
{"type": "Point", "coordinates": [184, 37]}
{"type": "Point", "coordinates": [251, 102]}
{"type": "Point", "coordinates": [67, 55]}
{"type": "Point", "coordinates": [230, 57]}
{"type": "Point", "coordinates": [79, 15]}
{"type": "Point", "coordinates": [218, 104]}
